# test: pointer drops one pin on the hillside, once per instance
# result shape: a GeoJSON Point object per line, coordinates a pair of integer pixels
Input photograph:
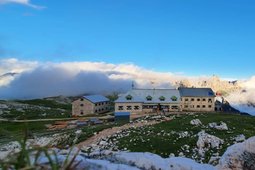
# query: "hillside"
{"type": "Point", "coordinates": [57, 107]}
{"type": "Point", "coordinates": [203, 138]}
{"type": "Point", "coordinates": [203, 141]}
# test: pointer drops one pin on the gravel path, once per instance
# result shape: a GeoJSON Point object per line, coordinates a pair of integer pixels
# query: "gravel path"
{"type": "Point", "coordinates": [108, 132]}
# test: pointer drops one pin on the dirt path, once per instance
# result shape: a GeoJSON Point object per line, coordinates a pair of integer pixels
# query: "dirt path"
{"type": "Point", "coordinates": [108, 132]}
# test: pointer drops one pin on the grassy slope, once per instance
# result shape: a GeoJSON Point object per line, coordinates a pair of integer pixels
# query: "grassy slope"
{"type": "Point", "coordinates": [10, 131]}
{"type": "Point", "coordinates": [46, 103]}
{"type": "Point", "coordinates": [156, 139]}
{"type": "Point", "coordinates": [51, 109]}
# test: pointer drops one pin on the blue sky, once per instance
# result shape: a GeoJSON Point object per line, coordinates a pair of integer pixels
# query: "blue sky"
{"type": "Point", "coordinates": [194, 37]}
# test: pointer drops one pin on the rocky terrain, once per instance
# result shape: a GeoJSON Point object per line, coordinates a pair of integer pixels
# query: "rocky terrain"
{"type": "Point", "coordinates": [239, 156]}
{"type": "Point", "coordinates": [201, 144]}
{"type": "Point", "coordinates": [223, 87]}
{"type": "Point", "coordinates": [36, 109]}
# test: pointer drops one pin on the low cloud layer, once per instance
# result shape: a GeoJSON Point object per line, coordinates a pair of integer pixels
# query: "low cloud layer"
{"type": "Point", "coordinates": [244, 99]}
{"type": "Point", "coordinates": [37, 80]}
{"type": "Point", "coordinates": [45, 82]}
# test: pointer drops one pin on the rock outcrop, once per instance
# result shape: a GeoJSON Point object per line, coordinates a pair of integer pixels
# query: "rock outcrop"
{"type": "Point", "coordinates": [207, 141]}
{"type": "Point", "coordinates": [240, 156]}
{"type": "Point", "coordinates": [221, 126]}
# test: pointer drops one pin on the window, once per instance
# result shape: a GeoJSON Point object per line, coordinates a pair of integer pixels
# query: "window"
{"type": "Point", "coordinates": [96, 104]}
{"type": "Point", "coordinates": [149, 98]}
{"type": "Point", "coordinates": [209, 100]}
{"type": "Point", "coordinates": [129, 107]}
{"type": "Point", "coordinates": [191, 106]}
{"type": "Point", "coordinates": [145, 107]}
{"type": "Point", "coordinates": [209, 106]}
{"type": "Point", "coordinates": [198, 106]}
{"type": "Point", "coordinates": [192, 99]}
{"type": "Point", "coordinates": [96, 111]}
{"type": "Point", "coordinates": [198, 100]}
{"type": "Point", "coordinates": [164, 107]}
{"type": "Point", "coordinates": [186, 99]}
{"type": "Point", "coordinates": [81, 105]}
{"type": "Point", "coordinates": [174, 98]}
{"type": "Point", "coordinates": [136, 107]}
{"type": "Point", "coordinates": [120, 108]}
{"type": "Point", "coordinates": [203, 106]}
{"type": "Point", "coordinates": [186, 106]}
{"type": "Point", "coordinates": [102, 109]}
{"type": "Point", "coordinates": [81, 112]}
{"type": "Point", "coordinates": [162, 98]}
{"type": "Point", "coordinates": [204, 100]}
{"type": "Point", "coordinates": [129, 97]}
{"type": "Point", "coordinates": [82, 99]}
{"type": "Point", "coordinates": [174, 107]}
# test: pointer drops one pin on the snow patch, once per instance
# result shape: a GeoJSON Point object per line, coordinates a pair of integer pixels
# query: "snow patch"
{"type": "Point", "coordinates": [196, 122]}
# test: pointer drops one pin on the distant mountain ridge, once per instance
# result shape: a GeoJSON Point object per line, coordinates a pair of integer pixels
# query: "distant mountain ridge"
{"type": "Point", "coordinates": [223, 87]}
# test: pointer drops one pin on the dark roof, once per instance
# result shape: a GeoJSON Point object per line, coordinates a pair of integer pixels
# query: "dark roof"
{"type": "Point", "coordinates": [196, 92]}
{"type": "Point", "coordinates": [96, 98]}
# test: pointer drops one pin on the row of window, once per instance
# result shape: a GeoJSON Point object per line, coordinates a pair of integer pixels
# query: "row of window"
{"type": "Point", "coordinates": [197, 106]}
{"type": "Point", "coordinates": [162, 107]}
{"type": "Point", "coordinates": [129, 107]}
{"type": "Point", "coordinates": [101, 110]}
{"type": "Point", "coordinates": [149, 98]}
{"type": "Point", "coordinates": [146, 107]}
{"type": "Point", "coordinates": [97, 110]}
{"type": "Point", "coordinates": [101, 103]}
{"type": "Point", "coordinates": [97, 104]}
{"type": "Point", "coordinates": [192, 100]}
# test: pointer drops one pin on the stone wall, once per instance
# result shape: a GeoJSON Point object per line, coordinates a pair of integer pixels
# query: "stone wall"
{"type": "Point", "coordinates": [82, 107]}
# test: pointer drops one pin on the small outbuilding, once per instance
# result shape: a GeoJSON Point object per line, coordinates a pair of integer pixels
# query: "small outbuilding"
{"type": "Point", "coordinates": [121, 117]}
{"type": "Point", "coordinates": [91, 104]}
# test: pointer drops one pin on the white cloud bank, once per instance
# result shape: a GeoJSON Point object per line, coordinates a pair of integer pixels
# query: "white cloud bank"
{"type": "Point", "coordinates": [74, 78]}
{"type": "Point", "coordinates": [22, 2]}
{"type": "Point", "coordinates": [244, 99]}
{"type": "Point", "coordinates": [37, 80]}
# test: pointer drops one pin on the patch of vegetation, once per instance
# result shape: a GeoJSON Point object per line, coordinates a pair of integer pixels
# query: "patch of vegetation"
{"type": "Point", "coordinates": [29, 158]}
{"type": "Point", "coordinates": [165, 138]}
{"type": "Point", "coordinates": [47, 103]}
{"type": "Point", "coordinates": [91, 130]}
{"type": "Point", "coordinates": [14, 131]}
{"type": "Point", "coordinates": [35, 113]}
{"type": "Point", "coordinates": [35, 109]}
